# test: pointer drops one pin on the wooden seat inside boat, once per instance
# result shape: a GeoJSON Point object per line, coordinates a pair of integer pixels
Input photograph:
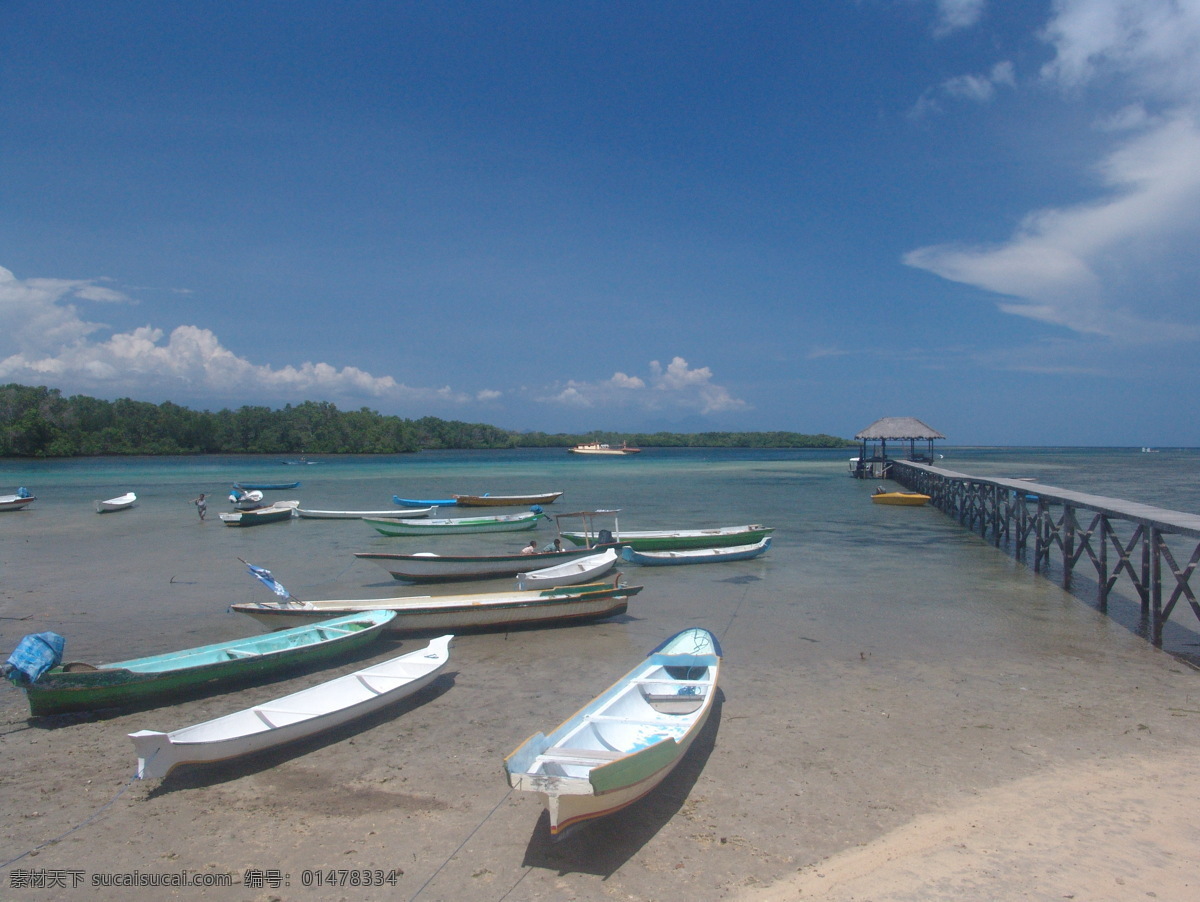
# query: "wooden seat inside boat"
{"type": "Point", "coordinates": [572, 756]}
{"type": "Point", "coordinates": [235, 653]}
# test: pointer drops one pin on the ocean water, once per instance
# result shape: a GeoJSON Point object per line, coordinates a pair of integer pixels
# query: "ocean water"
{"type": "Point", "coordinates": [155, 577]}
{"type": "Point", "coordinates": [879, 663]}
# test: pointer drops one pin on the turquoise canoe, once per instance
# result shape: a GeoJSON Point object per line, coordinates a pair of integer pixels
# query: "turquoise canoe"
{"type": "Point", "coordinates": [83, 687]}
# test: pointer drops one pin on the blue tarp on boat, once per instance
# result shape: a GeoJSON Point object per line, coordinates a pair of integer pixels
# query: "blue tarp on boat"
{"type": "Point", "coordinates": [33, 656]}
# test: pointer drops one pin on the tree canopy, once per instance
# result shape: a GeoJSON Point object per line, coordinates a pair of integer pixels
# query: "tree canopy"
{"type": "Point", "coordinates": [40, 422]}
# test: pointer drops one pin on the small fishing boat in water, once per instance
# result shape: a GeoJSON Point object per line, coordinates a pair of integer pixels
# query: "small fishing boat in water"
{"type": "Point", "coordinates": [18, 500]}
{"type": "Point", "coordinates": [506, 500]}
{"type": "Point", "coordinates": [305, 713]}
{"type": "Point", "coordinates": [603, 449]}
{"type": "Point", "coordinates": [902, 499]}
{"type": "Point", "coordinates": [428, 567]}
{"type": "Point", "coordinates": [569, 573]}
{"type": "Point", "coordinates": [413, 502]}
{"type": "Point", "coordinates": [456, 525]}
{"type": "Point", "coordinates": [697, 555]}
{"type": "Point", "coordinates": [277, 512]}
{"type": "Point", "coordinates": [624, 742]}
{"type": "Point", "coordinates": [265, 486]}
{"type": "Point", "coordinates": [674, 539]}
{"type": "Point", "coordinates": [120, 503]}
{"type": "Point", "coordinates": [389, 514]}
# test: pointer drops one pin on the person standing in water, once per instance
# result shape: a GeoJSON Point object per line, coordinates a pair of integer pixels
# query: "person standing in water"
{"type": "Point", "coordinates": [201, 506]}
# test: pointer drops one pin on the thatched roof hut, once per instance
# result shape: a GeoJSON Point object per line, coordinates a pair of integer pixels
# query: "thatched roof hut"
{"type": "Point", "coordinates": [872, 462]}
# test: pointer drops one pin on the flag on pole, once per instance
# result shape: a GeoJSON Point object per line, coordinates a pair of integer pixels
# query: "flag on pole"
{"type": "Point", "coordinates": [268, 580]}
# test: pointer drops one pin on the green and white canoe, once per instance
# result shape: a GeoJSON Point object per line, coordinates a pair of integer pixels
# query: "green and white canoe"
{"type": "Point", "coordinates": [456, 525]}
{"type": "Point", "coordinates": [675, 539]}
{"type": "Point", "coordinates": [84, 687]}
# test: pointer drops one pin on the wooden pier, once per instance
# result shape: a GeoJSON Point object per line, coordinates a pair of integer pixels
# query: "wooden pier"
{"type": "Point", "coordinates": [1016, 512]}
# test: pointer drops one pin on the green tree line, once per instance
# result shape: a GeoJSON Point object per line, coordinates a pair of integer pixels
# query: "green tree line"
{"type": "Point", "coordinates": [40, 422]}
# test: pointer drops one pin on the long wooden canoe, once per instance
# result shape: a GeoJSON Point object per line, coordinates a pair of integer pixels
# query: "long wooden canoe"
{"type": "Point", "coordinates": [506, 500]}
{"type": "Point", "coordinates": [269, 486]}
{"type": "Point", "coordinates": [697, 555]}
{"type": "Point", "coordinates": [455, 525]}
{"type": "Point", "coordinates": [83, 687]}
{"type": "Point", "coordinates": [294, 716]}
{"type": "Point", "coordinates": [672, 539]}
{"type": "Point", "coordinates": [624, 742]}
{"type": "Point", "coordinates": [389, 514]}
{"type": "Point", "coordinates": [424, 502]}
{"type": "Point", "coordinates": [428, 567]}
{"type": "Point", "coordinates": [477, 611]}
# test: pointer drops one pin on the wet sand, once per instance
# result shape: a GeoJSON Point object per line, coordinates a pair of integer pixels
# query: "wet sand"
{"type": "Point", "coordinates": [928, 721]}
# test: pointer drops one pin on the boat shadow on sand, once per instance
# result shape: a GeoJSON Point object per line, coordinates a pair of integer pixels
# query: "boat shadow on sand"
{"type": "Point", "coordinates": [198, 776]}
{"type": "Point", "coordinates": [602, 846]}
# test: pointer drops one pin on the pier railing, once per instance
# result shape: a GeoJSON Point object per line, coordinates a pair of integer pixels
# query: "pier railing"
{"type": "Point", "coordinates": [1120, 537]}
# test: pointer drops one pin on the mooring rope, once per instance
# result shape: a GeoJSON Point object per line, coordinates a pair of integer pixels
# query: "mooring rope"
{"type": "Point", "coordinates": [99, 811]}
{"type": "Point", "coordinates": [458, 848]}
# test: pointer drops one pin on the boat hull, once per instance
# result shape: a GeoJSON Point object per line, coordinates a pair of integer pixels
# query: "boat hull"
{"type": "Point", "coordinates": [462, 613]}
{"type": "Point", "coordinates": [671, 540]}
{"type": "Point", "coordinates": [282, 510]}
{"type": "Point", "coordinates": [16, 502]}
{"type": "Point", "coordinates": [569, 573]}
{"type": "Point", "coordinates": [145, 680]}
{"type": "Point", "coordinates": [696, 555]}
{"type": "Point", "coordinates": [430, 568]}
{"type": "Point", "coordinates": [122, 503]}
{"type": "Point", "coordinates": [292, 717]}
{"type": "Point", "coordinates": [455, 526]}
{"type": "Point", "coordinates": [506, 500]}
{"type": "Point", "coordinates": [900, 499]}
{"type": "Point", "coordinates": [390, 514]}
{"type": "Point", "coordinates": [627, 740]}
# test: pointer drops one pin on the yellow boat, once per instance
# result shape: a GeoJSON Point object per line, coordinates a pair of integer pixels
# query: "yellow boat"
{"type": "Point", "coordinates": [907, 499]}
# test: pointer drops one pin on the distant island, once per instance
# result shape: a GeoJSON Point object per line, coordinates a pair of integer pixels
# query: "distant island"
{"type": "Point", "coordinates": [40, 422]}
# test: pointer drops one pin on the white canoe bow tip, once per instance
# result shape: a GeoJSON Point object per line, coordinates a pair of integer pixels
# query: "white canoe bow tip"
{"type": "Point", "coordinates": [147, 744]}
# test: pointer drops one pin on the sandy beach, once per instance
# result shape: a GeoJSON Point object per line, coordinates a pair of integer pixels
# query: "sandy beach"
{"type": "Point", "coordinates": [931, 721]}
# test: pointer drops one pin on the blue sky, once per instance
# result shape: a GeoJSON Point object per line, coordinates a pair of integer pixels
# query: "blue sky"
{"type": "Point", "coordinates": [633, 216]}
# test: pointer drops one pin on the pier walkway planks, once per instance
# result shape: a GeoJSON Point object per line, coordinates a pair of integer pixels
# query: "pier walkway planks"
{"type": "Point", "coordinates": [1014, 510]}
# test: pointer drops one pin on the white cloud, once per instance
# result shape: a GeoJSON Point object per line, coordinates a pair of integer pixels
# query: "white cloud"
{"type": "Point", "coordinates": [955, 15]}
{"type": "Point", "coordinates": [1065, 265]}
{"type": "Point", "coordinates": [974, 88]}
{"type": "Point", "coordinates": [44, 338]}
{"type": "Point", "coordinates": [673, 387]}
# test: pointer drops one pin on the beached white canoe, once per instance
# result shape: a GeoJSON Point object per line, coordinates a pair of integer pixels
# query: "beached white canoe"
{"type": "Point", "coordinates": [626, 741]}
{"type": "Point", "coordinates": [391, 513]}
{"type": "Point", "coordinates": [120, 503]}
{"type": "Point", "coordinates": [569, 573]}
{"type": "Point", "coordinates": [292, 717]}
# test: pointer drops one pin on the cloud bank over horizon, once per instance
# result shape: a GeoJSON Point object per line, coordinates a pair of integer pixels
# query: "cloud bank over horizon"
{"type": "Point", "coordinates": [45, 338]}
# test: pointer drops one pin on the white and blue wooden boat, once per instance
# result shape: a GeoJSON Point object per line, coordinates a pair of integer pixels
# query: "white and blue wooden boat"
{"type": "Point", "coordinates": [456, 525]}
{"type": "Point", "coordinates": [120, 503]}
{"type": "Point", "coordinates": [696, 555]}
{"type": "Point", "coordinates": [413, 502]}
{"type": "Point", "coordinates": [569, 573]}
{"type": "Point", "coordinates": [18, 500]}
{"type": "Point", "coordinates": [626, 741]}
{"type": "Point", "coordinates": [76, 686]}
{"type": "Point", "coordinates": [305, 713]}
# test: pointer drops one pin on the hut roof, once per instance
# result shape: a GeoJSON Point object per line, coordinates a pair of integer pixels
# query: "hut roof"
{"type": "Point", "coordinates": [898, 428]}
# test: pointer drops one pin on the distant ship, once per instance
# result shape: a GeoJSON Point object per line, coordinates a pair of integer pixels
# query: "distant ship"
{"type": "Point", "coordinates": [602, 448]}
